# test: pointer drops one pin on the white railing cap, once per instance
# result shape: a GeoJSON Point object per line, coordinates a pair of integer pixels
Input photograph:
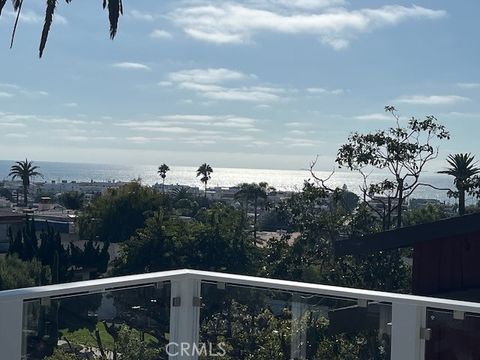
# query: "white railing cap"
{"type": "Point", "coordinates": [113, 283]}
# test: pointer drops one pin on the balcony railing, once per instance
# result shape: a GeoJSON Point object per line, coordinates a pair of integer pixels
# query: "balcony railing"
{"type": "Point", "coordinates": [188, 314]}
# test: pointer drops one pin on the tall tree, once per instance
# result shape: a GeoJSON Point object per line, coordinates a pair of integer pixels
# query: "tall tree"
{"type": "Point", "coordinates": [256, 194]}
{"type": "Point", "coordinates": [24, 170]}
{"type": "Point", "coordinates": [463, 168]}
{"type": "Point", "coordinates": [114, 216]}
{"type": "Point", "coordinates": [205, 172]}
{"type": "Point", "coordinates": [162, 171]}
{"type": "Point", "coordinates": [115, 9]}
{"type": "Point", "coordinates": [402, 152]}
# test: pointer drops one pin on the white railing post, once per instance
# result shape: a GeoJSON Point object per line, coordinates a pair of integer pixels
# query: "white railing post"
{"type": "Point", "coordinates": [299, 330]}
{"type": "Point", "coordinates": [11, 323]}
{"type": "Point", "coordinates": [184, 318]}
{"type": "Point", "coordinates": [407, 324]}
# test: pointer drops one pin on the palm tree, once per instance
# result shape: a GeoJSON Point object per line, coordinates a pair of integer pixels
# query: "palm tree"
{"type": "Point", "coordinates": [205, 172]}
{"type": "Point", "coordinates": [256, 193]}
{"type": "Point", "coordinates": [162, 171]}
{"type": "Point", "coordinates": [462, 168]}
{"type": "Point", "coordinates": [24, 170]}
{"type": "Point", "coordinates": [115, 9]}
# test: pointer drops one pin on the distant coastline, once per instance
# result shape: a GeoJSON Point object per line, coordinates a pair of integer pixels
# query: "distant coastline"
{"type": "Point", "coordinates": [285, 180]}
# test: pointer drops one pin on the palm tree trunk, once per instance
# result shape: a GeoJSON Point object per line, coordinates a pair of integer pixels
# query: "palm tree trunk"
{"type": "Point", "coordinates": [255, 216]}
{"type": "Point", "coordinates": [461, 201]}
{"type": "Point", "coordinates": [163, 186]}
{"type": "Point", "coordinates": [205, 190]}
{"type": "Point", "coordinates": [25, 195]}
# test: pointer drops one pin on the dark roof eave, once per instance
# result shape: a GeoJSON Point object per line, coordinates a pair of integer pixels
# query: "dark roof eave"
{"type": "Point", "coordinates": [409, 236]}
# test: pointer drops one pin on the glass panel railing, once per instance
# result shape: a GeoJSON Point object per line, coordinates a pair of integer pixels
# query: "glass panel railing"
{"type": "Point", "coordinates": [131, 321]}
{"type": "Point", "coordinates": [452, 335]}
{"type": "Point", "coordinates": [250, 323]}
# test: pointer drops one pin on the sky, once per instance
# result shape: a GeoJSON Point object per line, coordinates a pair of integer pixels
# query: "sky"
{"type": "Point", "coordinates": [252, 84]}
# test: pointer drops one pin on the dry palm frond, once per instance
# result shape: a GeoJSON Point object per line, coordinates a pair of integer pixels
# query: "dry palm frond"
{"type": "Point", "coordinates": [51, 4]}
{"type": "Point", "coordinates": [17, 6]}
{"type": "Point", "coordinates": [115, 9]}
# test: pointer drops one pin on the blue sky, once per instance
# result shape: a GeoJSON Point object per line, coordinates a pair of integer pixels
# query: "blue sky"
{"type": "Point", "coordinates": [253, 83]}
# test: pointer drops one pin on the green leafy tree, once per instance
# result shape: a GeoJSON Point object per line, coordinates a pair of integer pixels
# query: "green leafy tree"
{"type": "Point", "coordinates": [6, 193]}
{"type": "Point", "coordinates": [205, 171]}
{"type": "Point", "coordinates": [24, 170]}
{"type": "Point", "coordinates": [16, 273]}
{"type": "Point", "coordinates": [72, 200]}
{"type": "Point", "coordinates": [463, 169]}
{"type": "Point", "coordinates": [402, 151]}
{"type": "Point", "coordinates": [213, 240]}
{"type": "Point", "coordinates": [257, 195]}
{"type": "Point", "coordinates": [116, 215]}
{"type": "Point", "coordinates": [162, 172]}
{"type": "Point", "coordinates": [51, 252]}
{"type": "Point", "coordinates": [129, 345]}
{"type": "Point", "coordinates": [319, 217]}
{"type": "Point", "coordinates": [115, 9]}
{"type": "Point", "coordinates": [425, 214]}
{"type": "Point", "coordinates": [91, 257]}
{"type": "Point", "coordinates": [249, 327]}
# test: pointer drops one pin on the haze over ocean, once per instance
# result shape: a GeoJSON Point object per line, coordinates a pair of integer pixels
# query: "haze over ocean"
{"type": "Point", "coordinates": [290, 180]}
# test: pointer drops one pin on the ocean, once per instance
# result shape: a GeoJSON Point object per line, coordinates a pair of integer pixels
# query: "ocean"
{"type": "Point", "coordinates": [289, 180]}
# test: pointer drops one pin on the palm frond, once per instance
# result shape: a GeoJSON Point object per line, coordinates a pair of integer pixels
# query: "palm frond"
{"type": "Point", "coordinates": [51, 4]}
{"type": "Point", "coordinates": [2, 4]}
{"type": "Point", "coordinates": [17, 6]}
{"type": "Point", "coordinates": [115, 9]}
{"type": "Point", "coordinates": [462, 167]}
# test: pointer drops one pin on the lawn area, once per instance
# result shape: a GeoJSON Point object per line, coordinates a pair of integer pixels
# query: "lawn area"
{"type": "Point", "coordinates": [86, 338]}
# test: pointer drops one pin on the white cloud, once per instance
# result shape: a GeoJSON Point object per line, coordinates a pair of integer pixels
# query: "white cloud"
{"type": "Point", "coordinates": [71, 104]}
{"type": "Point", "coordinates": [307, 4]}
{"type": "Point", "coordinates": [319, 91]}
{"type": "Point", "coordinates": [470, 85]}
{"type": "Point", "coordinates": [234, 22]}
{"type": "Point", "coordinates": [194, 129]}
{"type": "Point", "coordinates": [21, 120]}
{"type": "Point", "coordinates": [294, 142]}
{"type": "Point", "coordinates": [206, 76]}
{"type": "Point", "coordinates": [432, 99]}
{"type": "Point", "coordinates": [11, 124]}
{"type": "Point", "coordinates": [243, 94]}
{"type": "Point", "coordinates": [9, 86]}
{"type": "Point", "coordinates": [460, 115]}
{"type": "Point", "coordinates": [208, 83]}
{"type": "Point", "coordinates": [138, 139]}
{"type": "Point", "coordinates": [16, 136]}
{"type": "Point", "coordinates": [161, 34]}
{"type": "Point", "coordinates": [373, 117]}
{"type": "Point", "coordinates": [300, 132]}
{"type": "Point", "coordinates": [131, 66]}
{"type": "Point", "coordinates": [193, 121]}
{"type": "Point", "coordinates": [140, 15]}
{"type": "Point", "coordinates": [13, 90]}
{"type": "Point", "coordinates": [297, 124]}
{"type": "Point", "coordinates": [31, 17]}
{"type": "Point", "coordinates": [33, 93]}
